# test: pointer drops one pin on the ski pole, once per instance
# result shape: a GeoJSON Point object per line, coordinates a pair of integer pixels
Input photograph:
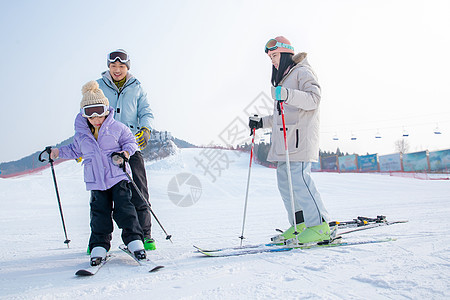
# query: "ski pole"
{"type": "Point", "coordinates": [248, 184]}
{"type": "Point", "coordinates": [48, 149]}
{"type": "Point", "coordinates": [122, 164]}
{"type": "Point", "coordinates": [288, 167]}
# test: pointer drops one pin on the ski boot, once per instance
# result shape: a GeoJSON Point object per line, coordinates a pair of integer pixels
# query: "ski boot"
{"type": "Point", "coordinates": [136, 247]}
{"type": "Point", "coordinates": [98, 254]}
{"type": "Point", "coordinates": [149, 244]}
{"type": "Point", "coordinates": [288, 234]}
{"type": "Point", "coordinates": [319, 233]}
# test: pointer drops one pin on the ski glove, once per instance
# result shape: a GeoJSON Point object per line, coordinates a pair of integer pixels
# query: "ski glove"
{"type": "Point", "coordinates": [279, 93]}
{"type": "Point", "coordinates": [255, 122]}
{"type": "Point", "coordinates": [142, 137]}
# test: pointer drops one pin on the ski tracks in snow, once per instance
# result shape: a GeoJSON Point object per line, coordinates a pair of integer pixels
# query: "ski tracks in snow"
{"type": "Point", "coordinates": [416, 266]}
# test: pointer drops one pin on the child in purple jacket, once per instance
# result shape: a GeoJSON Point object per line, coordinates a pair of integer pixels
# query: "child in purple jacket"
{"type": "Point", "coordinates": [97, 136]}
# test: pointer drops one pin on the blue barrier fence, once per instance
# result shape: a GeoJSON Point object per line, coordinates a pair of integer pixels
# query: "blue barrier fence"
{"type": "Point", "coordinates": [423, 161]}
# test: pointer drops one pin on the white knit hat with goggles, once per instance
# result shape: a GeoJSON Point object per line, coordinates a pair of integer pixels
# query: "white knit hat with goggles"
{"type": "Point", "coordinates": [118, 55]}
{"type": "Point", "coordinates": [94, 101]}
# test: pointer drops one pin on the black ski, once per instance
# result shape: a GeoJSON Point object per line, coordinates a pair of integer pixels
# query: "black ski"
{"type": "Point", "coordinates": [92, 270]}
{"type": "Point", "coordinates": [147, 263]}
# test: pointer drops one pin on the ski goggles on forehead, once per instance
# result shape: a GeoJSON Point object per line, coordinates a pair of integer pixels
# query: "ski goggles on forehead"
{"type": "Point", "coordinates": [273, 44]}
{"type": "Point", "coordinates": [96, 110]}
{"type": "Point", "coordinates": [117, 55]}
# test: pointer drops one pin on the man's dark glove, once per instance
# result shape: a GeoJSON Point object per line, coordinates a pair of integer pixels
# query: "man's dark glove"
{"type": "Point", "coordinates": [142, 137]}
{"type": "Point", "coordinates": [255, 122]}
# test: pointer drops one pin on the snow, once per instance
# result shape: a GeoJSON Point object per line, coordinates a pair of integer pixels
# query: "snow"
{"type": "Point", "coordinates": [36, 264]}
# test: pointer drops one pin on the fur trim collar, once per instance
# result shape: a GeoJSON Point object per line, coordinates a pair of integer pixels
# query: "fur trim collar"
{"type": "Point", "coordinates": [299, 57]}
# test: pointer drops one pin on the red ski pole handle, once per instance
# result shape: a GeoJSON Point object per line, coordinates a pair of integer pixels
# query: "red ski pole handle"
{"type": "Point", "coordinates": [284, 124]}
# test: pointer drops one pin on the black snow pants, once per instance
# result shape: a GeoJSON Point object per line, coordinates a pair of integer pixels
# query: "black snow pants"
{"type": "Point", "coordinates": [142, 206]}
{"type": "Point", "coordinates": [114, 203]}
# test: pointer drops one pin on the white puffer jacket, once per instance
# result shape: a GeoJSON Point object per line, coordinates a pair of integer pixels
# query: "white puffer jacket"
{"type": "Point", "coordinates": [301, 115]}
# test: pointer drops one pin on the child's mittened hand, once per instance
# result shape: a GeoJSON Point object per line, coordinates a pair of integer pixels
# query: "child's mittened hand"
{"type": "Point", "coordinates": [127, 155]}
{"type": "Point", "coordinates": [55, 153]}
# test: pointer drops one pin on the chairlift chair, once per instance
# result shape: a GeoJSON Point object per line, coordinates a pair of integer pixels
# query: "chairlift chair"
{"type": "Point", "coordinates": [437, 130]}
{"type": "Point", "coordinates": [378, 135]}
{"type": "Point", "coordinates": [335, 137]}
{"type": "Point", "coordinates": [405, 133]}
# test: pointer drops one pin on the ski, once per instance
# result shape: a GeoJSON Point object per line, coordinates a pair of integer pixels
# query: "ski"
{"type": "Point", "coordinates": [264, 248]}
{"type": "Point", "coordinates": [147, 263]}
{"type": "Point", "coordinates": [362, 221]}
{"type": "Point", "coordinates": [337, 227]}
{"type": "Point", "coordinates": [368, 226]}
{"type": "Point", "coordinates": [252, 246]}
{"type": "Point", "coordinates": [238, 247]}
{"type": "Point", "coordinates": [92, 270]}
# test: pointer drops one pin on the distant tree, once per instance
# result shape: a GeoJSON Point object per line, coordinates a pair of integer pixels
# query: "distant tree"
{"type": "Point", "coordinates": [402, 146]}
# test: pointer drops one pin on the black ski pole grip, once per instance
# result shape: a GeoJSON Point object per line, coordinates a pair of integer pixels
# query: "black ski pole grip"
{"type": "Point", "coordinates": [121, 155]}
{"type": "Point", "coordinates": [47, 149]}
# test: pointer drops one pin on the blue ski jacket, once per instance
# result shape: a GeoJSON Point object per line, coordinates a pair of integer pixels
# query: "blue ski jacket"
{"type": "Point", "coordinates": [130, 103]}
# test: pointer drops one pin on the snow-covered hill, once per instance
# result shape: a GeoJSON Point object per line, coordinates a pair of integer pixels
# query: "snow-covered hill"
{"type": "Point", "coordinates": [36, 264]}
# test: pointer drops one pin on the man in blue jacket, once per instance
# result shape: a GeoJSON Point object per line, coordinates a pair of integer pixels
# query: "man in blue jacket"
{"type": "Point", "coordinates": [126, 96]}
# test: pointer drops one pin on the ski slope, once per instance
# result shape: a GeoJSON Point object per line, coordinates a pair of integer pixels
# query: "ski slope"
{"type": "Point", "coordinates": [36, 264]}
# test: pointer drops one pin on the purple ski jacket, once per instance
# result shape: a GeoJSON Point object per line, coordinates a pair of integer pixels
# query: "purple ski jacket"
{"type": "Point", "coordinates": [99, 171]}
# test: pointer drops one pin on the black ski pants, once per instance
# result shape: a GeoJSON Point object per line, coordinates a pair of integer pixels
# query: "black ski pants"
{"type": "Point", "coordinates": [114, 203]}
{"type": "Point", "coordinates": [142, 205]}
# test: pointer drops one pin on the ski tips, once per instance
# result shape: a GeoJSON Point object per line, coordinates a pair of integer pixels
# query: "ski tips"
{"type": "Point", "coordinates": [84, 273]}
{"type": "Point", "coordinates": [157, 268]}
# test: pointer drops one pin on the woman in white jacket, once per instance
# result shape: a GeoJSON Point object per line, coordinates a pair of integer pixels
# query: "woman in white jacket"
{"type": "Point", "coordinates": [295, 84]}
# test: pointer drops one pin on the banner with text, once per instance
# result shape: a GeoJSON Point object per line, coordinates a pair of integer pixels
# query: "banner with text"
{"type": "Point", "coordinates": [329, 163]}
{"type": "Point", "coordinates": [368, 163]}
{"type": "Point", "coordinates": [348, 163]}
{"type": "Point", "coordinates": [417, 161]}
{"type": "Point", "coordinates": [390, 163]}
{"type": "Point", "coordinates": [440, 160]}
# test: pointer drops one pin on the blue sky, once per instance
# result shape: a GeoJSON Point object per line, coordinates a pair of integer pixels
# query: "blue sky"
{"type": "Point", "coordinates": [383, 66]}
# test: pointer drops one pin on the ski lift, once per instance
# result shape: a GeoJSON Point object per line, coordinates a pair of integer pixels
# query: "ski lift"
{"type": "Point", "coordinates": [353, 137]}
{"type": "Point", "coordinates": [335, 137]}
{"type": "Point", "coordinates": [378, 135]}
{"type": "Point", "coordinates": [405, 133]}
{"type": "Point", "coordinates": [437, 130]}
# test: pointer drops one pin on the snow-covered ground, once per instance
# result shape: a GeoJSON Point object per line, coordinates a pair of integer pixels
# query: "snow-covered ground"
{"type": "Point", "coordinates": [36, 264]}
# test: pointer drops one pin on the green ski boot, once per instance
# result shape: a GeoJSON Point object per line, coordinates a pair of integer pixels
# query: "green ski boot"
{"type": "Point", "coordinates": [288, 234]}
{"type": "Point", "coordinates": [149, 244]}
{"type": "Point", "coordinates": [313, 234]}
